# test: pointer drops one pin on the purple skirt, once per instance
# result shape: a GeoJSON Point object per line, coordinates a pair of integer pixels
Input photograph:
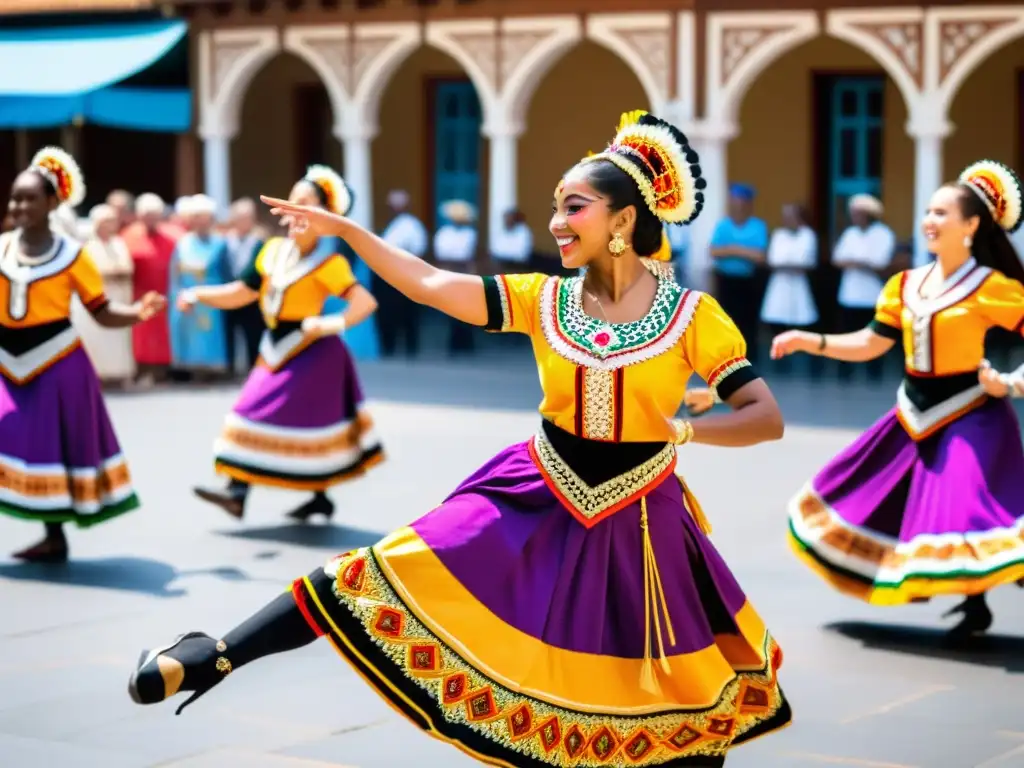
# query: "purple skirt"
{"type": "Point", "coordinates": [891, 520]}
{"type": "Point", "coordinates": [302, 425]}
{"type": "Point", "coordinates": [503, 624]}
{"type": "Point", "coordinates": [59, 457]}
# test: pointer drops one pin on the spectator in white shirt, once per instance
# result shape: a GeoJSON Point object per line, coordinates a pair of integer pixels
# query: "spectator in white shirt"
{"type": "Point", "coordinates": [864, 253]}
{"type": "Point", "coordinates": [788, 301]}
{"type": "Point", "coordinates": [399, 316]}
{"type": "Point", "coordinates": [455, 249]}
{"type": "Point", "coordinates": [512, 247]}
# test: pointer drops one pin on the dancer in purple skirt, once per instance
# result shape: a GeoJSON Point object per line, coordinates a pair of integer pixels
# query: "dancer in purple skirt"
{"type": "Point", "coordinates": [564, 605]}
{"type": "Point", "coordinates": [299, 422]}
{"type": "Point", "coordinates": [60, 461]}
{"type": "Point", "coordinates": [930, 500]}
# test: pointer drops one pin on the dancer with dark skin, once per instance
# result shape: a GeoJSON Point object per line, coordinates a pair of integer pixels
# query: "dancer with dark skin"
{"type": "Point", "coordinates": [42, 269]}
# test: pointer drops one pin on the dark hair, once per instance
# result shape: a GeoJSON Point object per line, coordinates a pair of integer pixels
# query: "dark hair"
{"type": "Point", "coordinates": [321, 195]}
{"type": "Point", "coordinates": [621, 191]}
{"type": "Point", "coordinates": [992, 246]}
{"type": "Point", "coordinates": [48, 187]}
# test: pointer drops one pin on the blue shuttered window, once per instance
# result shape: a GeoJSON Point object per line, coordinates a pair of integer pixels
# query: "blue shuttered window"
{"type": "Point", "coordinates": [456, 143]}
{"type": "Point", "coordinates": [856, 120]}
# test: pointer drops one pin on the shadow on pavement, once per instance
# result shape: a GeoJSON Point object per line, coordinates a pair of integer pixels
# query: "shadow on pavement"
{"type": "Point", "coordinates": [336, 537]}
{"type": "Point", "coordinates": [991, 650]}
{"type": "Point", "coordinates": [130, 574]}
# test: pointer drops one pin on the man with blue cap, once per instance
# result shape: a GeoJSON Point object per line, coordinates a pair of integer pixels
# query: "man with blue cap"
{"type": "Point", "coordinates": [738, 247]}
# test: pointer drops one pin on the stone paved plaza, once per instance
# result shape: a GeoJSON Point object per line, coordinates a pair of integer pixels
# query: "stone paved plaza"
{"type": "Point", "coordinates": [870, 687]}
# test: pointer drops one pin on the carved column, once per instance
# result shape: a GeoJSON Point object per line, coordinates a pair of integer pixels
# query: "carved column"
{"type": "Point", "coordinates": [711, 140]}
{"type": "Point", "coordinates": [527, 48]}
{"type": "Point", "coordinates": [740, 46]}
{"type": "Point", "coordinates": [228, 60]}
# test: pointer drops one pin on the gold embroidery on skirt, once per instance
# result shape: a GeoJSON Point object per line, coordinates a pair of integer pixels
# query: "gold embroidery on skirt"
{"type": "Point", "coordinates": [592, 501]}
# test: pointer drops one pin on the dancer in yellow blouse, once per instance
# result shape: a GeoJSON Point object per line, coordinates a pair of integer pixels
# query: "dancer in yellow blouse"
{"type": "Point", "coordinates": [930, 500]}
{"type": "Point", "coordinates": [564, 606]}
{"type": "Point", "coordinates": [300, 422]}
{"type": "Point", "coordinates": [60, 461]}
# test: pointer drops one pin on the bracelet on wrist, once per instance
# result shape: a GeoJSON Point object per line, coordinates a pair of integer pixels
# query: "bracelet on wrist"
{"type": "Point", "coordinates": [683, 431]}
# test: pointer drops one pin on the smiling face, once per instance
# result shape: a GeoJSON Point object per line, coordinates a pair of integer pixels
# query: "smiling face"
{"type": "Point", "coordinates": [944, 226]}
{"type": "Point", "coordinates": [30, 205]}
{"type": "Point", "coordinates": [303, 193]}
{"type": "Point", "coordinates": [581, 221]}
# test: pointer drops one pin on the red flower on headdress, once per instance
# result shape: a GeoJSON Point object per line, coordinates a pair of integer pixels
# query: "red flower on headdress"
{"type": "Point", "coordinates": [59, 166]}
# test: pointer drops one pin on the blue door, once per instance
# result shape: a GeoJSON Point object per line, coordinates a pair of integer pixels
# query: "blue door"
{"type": "Point", "coordinates": [856, 107]}
{"type": "Point", "coordinates": [456, 143]}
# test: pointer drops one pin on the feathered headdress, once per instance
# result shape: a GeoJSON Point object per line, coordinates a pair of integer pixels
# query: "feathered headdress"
{"type": "Point", "coordinates": [999, 188]}
{"type": "Point", "coordinates": [338, 194]}
{"type": "Point", "coordinates": [659, 158]}
{"type": "Point", "coordinates": [60, 169]}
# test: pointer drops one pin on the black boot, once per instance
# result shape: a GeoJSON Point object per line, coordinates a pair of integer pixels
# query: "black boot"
{"type": "Point", "coordinates": [977, 618]}
{"type": "Point", "coordinates": [231, 499]}
{"type": "Point", "coordinates": [196, 662]}
{"type": "Point", "coordinates": [52, 549]}
{"type": "Point", "coordinates": [320, 504]}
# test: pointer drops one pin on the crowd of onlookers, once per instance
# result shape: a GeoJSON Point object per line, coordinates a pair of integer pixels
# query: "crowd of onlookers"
{"type": "Point", "coordinates": [766, 280]}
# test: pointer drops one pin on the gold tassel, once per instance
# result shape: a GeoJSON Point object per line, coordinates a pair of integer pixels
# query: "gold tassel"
{"type": "Point", "coordinates": [695, 509]}
{"type": "Point", "coordinates": [654, 599]}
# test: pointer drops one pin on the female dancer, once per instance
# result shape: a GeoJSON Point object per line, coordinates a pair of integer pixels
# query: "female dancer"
{"type": "Point", "coordinates": [930, 500]}
{"type": "Point", "coordinates": [299, 422]}
{"type": "Point", "coordinates": [59, 457]}
{"type": "Point", "coordinates": [571, 574]}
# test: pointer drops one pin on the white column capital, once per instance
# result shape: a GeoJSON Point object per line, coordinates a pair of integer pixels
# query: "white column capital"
{"type": "Point", "coordinates": [208, 131]}
{"type": "Point", "coordinates": [709, 130]}
{"type": "Point", "coordinates": [928, 118]}
{"type": "Point", "coordinates": [502, 129]}
{"type": "Point", "coordinates": [354, 126]}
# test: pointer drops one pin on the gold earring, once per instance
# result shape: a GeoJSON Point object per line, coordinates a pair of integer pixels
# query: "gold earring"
{"type": "Point", "coordinates": [617, 245]}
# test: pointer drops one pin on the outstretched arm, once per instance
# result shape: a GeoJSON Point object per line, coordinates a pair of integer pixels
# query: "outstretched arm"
{"type": "Point", "coordinates": [857, 347]}
{"type": "Point", "coordinates": [116, 315]}
{"type": "Point", "coordinates": [459, 295]}
{"type": "Point", "coordinates": [228, 296]}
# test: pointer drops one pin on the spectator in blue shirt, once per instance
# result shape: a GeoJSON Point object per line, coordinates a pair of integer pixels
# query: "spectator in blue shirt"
{"type": "Point", "coordinates": [738, 248]}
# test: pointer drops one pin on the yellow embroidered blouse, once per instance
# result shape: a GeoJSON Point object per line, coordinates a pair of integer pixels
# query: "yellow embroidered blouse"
{"type": "Point", "coordinates": [945, 335]}
{"type": "Point", "coordinates": [35, 305]}
{"type": "Point", "coordinates": [293, 288]}
{"type": "Point", "coordinates": [48, 287]}
{"type": "Point", "coordinates": [621, 382]}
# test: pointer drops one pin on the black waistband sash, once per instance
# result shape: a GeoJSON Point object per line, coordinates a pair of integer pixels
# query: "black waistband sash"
{"type": "Point", "coordinates": [596, 461]}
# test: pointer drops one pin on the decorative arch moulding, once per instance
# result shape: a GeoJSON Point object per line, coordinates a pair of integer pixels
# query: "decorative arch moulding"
{"type": "Point", "coordinates": [228, 61]}
{"type": "Point", "coordinates": [743, 45]}
{"type": "Point", "coordinates": [962, 38]}
{"type": "Point", "coordinates": [894, 37]}
{"type": "Point", "coordinates": [643, 41]}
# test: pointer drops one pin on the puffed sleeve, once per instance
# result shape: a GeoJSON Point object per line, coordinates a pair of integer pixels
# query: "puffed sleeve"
{"type": "Point", "coordinates": [1001, 300]}
{"type": "Point", "coordinates": [336, 275]}
{"type": "Point", "coordinates": [889, 309]}
{"type": "Point", "coordinates": [512, 302]}
{"type": "Point", "coordinates": [253, 273]}
{"type": "Point", "coordinates": [716, 350]}
{"type": "Point", "coordinates": [88, 282]}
